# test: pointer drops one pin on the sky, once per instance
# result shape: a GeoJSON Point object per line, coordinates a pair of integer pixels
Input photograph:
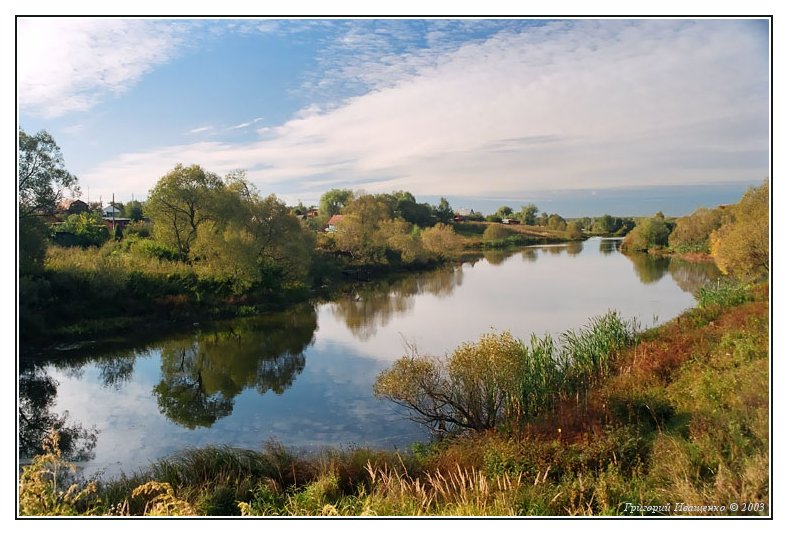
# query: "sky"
{"type": "Point", "coordinates": [580, 116]}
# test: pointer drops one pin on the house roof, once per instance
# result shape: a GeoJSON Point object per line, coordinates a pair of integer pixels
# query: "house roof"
{"type": "Point", "coordinates": [65, 204]}
{"type": "Point", "coordinates": [335, 219]}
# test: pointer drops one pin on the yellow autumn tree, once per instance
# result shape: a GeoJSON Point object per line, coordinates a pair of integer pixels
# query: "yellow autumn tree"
{"type": "Point", "coordinates": [741, 247]}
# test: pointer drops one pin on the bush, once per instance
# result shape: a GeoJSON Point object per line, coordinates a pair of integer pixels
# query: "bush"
{"type": "Point", "coordinates": [726, 293]}
{"type": "Point", "coordinates": [495, 233]}
{"type": "Point", "coordinates": [498, 380]}
{"type": "Point", "coordinates": [88, 228]}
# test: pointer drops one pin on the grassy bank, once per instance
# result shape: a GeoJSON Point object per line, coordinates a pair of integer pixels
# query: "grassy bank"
{"type": "Point", "coordinates": [84, 293]}
{"type": "Point", "coordinates": [682, 417]}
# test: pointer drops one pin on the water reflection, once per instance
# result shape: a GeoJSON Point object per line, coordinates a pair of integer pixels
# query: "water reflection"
{"type": "Point", "coordinates": [529, 254]}
{"type": "Point", "coordinates": [649, 268]}
{"type": "Point", "coordinates": [608, 247]}
{"type": "Point", "coordinates": [496, 257]}
{"type": "Point", "coordinates": [574, 248]}
{"type": "Point", "coordinates": [691, 276]}
{"type": "Point", "coordinates": [372, 306]}
{"type": "Point", "coordinates": [37, 396]}
{"type": "Point", "coordinates": [202, 374]}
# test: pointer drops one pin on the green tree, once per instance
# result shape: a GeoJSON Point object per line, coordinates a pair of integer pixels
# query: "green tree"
{"type": "Point", "coordinates": [443, 212]}
{"type": "Point", "coordinates": [180, 203]}
{"type": "Point", "coordinates": [741, 247]}
{"type": "Point", "coordinates": [556, 222]}
{"type": "Point", "coordinates": [528, 214]}
{"type": "Point", "coordinates": [133, 210]}
{"type": "Point", "coordinates": [88, 227]}
{"type": "Point", "coordinates": [504, 211]}
{"type": "Point", "coordinates": [333, 201]}
{"type": "Point", "coordinates": [650, 232]}
{"type": "Point", "coordinates": [42, 175]}
{"type": "Point", "coordinates": [604, 225]}
{"type": "Point", "coordinates": [357, 233]}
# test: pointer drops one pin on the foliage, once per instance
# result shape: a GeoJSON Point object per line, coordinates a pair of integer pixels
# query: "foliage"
{"type": "Point", "coordinates": [741, 247]}
{"type": "Point", "coordinates": [574, 231]}
{"type": "Point", "coordinates": [441, 240]}
{"type": "Point", "coordinates": [650, 232]}
{"type": "Point", "coordinates": [88, 227]}
{"type": "Point", "coordinates": [496, 232]}
{"type": "Point", "coordinates": [528, 214]}
{"type": "Point", "coordinates": [333, 201]}
{"type": "Point", "coordinates": [504, 211]}
{"type": "Point", "coordinates": [443, 212]}
{"type": "Point", "coordinates": [726, 294]}
{"type": "Point", "coordinates": [556, 222]}
{"type": "Point", "coordinates": [498, 380]}
{"type": "Point", "coordinates": [181, 202]}
{"type": "Point", "coordinates": [33, 234]}
{"type": "Point", "coordinates": [692, 232]}
{"type": "Point", "coordinates": [133, 210]}
{"type": "Point", "coordinates": [46, 486]}
{"type": "Point", "coordinates": [42, 175]}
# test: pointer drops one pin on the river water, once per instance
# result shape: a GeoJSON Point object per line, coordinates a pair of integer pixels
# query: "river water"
{"type": "Point", "coordinates": [304, 377]}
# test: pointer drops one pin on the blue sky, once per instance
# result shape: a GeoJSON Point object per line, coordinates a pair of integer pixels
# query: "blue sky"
{"type": "Point", "coordinates": [580, 116]}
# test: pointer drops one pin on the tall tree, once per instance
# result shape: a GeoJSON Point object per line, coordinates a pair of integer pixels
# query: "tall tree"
{"type": "Point", "coordinates": [42, 175]}
{"type": "Point", "coordinates": [333, 201]}
{"type": "Point", "coordinates": [528, 214]}
{"type": "Point", "coordinates": [444, 212]}
{"type": "Point", "coordinates": [181, 202]}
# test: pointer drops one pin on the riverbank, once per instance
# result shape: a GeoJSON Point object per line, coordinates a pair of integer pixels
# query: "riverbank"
{"type": "Point", "coordinates": [96, 293]}
{"type": "Point", "coordinates": [683, 419]}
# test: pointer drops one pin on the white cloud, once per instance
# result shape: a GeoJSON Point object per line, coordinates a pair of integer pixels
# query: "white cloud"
{"type": "Point", "coordinates": [70, 64]}
{"type": "Point", "coordinates": [246, 124]}
{"type": "Point", "coordinates": [582, 104]}
{"type": "Point", "coordinates": [201, 130]}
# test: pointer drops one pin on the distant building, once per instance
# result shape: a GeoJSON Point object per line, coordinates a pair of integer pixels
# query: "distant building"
{"type": "Point", "coordinates": [73, 206]}
{"type": "Point", "coordinates": [510, 221]}
{"type": "Point", "coordinates": [312, 212]}
{"type": "Point", "coordinates": [332, 223]}
{"type": "Point", "coordinates": [111, 211]}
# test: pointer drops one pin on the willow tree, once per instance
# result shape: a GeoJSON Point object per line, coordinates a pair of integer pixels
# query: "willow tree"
{"type": "Point", "coordinates": [181, 202]}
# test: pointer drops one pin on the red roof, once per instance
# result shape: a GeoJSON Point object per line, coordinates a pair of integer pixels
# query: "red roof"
{"type": "Point", "coordinates": [335, 219]}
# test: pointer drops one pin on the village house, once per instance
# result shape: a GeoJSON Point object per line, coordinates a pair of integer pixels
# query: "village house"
{"type": "Point", "coordinates": [332, 223]}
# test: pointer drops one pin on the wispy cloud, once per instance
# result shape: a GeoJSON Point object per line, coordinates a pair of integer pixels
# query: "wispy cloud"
{"type": "Point", "coordinates": [201, 130]}
{"type": "Point", "coordinates": [246, 124]}
{"type": "Point", "coordinates": [70, 64]}
{"type": "Point", "coordinates": [577, 104]}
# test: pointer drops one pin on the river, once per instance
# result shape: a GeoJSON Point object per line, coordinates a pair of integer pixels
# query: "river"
{"type": "Point", "coordinates": [304, 377]}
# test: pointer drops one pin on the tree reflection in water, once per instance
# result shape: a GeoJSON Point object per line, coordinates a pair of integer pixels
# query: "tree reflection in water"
{"type": "Point", "coordinates": [692, 276]}
{"type": "Point", "coordinates": [608, 247]}
{"type": "Point", "coordinates": [365, 309]}
{"type": "Point", "coordinates": [689, 276]}
{"type": "Point", "coordinates": [574, 248]}
{"type": "Point", "coordinates": [203, 373]}
{"type": "Point", "coordinates": [37, 396]}
{"type": "Point", "coordinates": [649, 268]}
